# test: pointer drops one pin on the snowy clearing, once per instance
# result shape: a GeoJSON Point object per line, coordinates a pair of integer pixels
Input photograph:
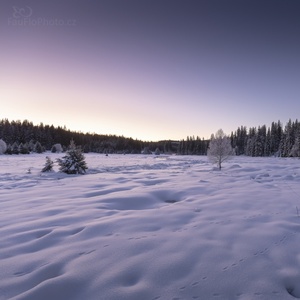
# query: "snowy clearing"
{"type": "Point", "coordinates": [150, 227]}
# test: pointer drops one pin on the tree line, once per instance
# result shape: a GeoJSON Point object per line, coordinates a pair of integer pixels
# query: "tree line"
{"type": "Point", "coordinates": [276, 140]}
{"type": "Point", "coordinates": [23, 137]}
{"type": "Point", "coordinates": [272, 141]}
{"type": "Point", "coordinates": [192, 146]}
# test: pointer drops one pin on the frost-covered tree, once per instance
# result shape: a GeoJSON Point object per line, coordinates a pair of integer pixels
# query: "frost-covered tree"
{"type": "Point", "coordinates": [276, 134]}
{"type": "Point", "coordinates": [31, 146]}
{"type": "Point", "coordinates": [57, 148]}
{"type": "Point", "coordinates": [220, 148]}
{"type": "Point", "coordinates": [15, 148]}
{"type": "Point", "coordinates": [3, 147]}
{"type": "Point", "coordinates": [8, 149]}
{"type": "Point", "coordinates": [260, 140]}
{"type": "Point", "coordinates": [38, 147]}
{"type": "Point", "coordinates": [23, 148]}
{"type": "Point", "coordinates": [288, 139]}
{"type": "Point", "coordinates": [267, 146]}
{"type": "Point", "coordinates": [157, 151]}
{"type": "Point", "coordinates": [73, 162]}
{"type": "Point", "coordinates": [295, 151]}
{"type": "Point", "coordinates": [48, 165]}
{"type": "Point", "coordinates": [146, 150]}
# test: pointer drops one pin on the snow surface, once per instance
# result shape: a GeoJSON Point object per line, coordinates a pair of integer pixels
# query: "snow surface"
{"type": "Point", "coordinates": [150, 227]}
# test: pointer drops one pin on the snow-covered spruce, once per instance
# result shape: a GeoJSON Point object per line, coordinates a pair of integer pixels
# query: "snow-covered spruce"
{"type": "Point", "coordinates": [48, 165]}
{"type": "Point", "coordinates": [73, 162]}
{"type": "Point", "coordinates": [38, 148]}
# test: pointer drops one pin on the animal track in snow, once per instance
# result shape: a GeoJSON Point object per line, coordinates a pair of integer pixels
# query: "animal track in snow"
{"type": "Point", "coordinates": [87, 252]}
{"type": "Point", "coordinates": [283, 239]}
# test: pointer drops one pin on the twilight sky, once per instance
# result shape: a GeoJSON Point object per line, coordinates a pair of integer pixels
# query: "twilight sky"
{"type": "Point", "coordinates": [150, 69]}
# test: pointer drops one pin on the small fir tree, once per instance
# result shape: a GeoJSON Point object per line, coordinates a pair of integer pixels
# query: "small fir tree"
{"type": "Point", "coordinates": [15, 148]}
{"type": "Point", "coordinates": [23, 148]}
{"type": "Point", "coordinates": [38, 147]}
{"type": "Point", "coordinates": [31, 146]}
{"type": "Point", "coordinates": [48, 165]}
{"type": "Point", "coordinates": [8, 149]}
{"type": "Point", "coordinates": [73, 162]}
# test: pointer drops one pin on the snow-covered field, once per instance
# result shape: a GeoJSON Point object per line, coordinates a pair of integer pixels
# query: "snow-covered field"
{"type": "Point", "coordinates": [150, 227]}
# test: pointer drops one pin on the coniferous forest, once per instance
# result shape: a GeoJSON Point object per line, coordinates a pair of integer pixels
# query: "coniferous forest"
{"type": "Point", "coordinates": [23, 137]}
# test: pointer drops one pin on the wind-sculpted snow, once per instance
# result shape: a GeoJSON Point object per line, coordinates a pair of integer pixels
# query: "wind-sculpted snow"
{"type": "Point", "coordinates": [150, 227]}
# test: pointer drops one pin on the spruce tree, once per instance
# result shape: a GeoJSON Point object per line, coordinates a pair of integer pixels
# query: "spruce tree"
{"type": "Point", "coordinates": [8, 149]}
{"type": "Point", "coordinates": [48, 165]}
{"type": "Point", "coordinates": [15, 148]}
{"type": "Point", "coordinates": [73, 162]}
{"type": "Point", "coordinates": [38, 147]}
{"type": "Point", "coordinates": [23, 148]}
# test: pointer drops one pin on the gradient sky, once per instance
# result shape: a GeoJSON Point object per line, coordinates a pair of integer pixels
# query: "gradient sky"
{"type": "Point", "coordinates": [151, 69]}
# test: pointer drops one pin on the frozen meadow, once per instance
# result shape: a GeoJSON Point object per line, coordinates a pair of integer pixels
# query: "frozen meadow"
{"type": "Point", "coordinates": [139, 227]}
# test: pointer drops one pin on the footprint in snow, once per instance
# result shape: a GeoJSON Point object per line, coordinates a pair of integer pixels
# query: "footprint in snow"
{"type": "Point", "coordinates": [87, 252]}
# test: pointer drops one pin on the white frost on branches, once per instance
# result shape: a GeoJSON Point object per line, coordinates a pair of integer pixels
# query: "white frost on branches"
{"type": "Point", "coordinates": [220, 148]}
{"type": "Point", "coordinates": [48, 165]}
{"type": "Point", "coordinates": [3, 146]}
{"type": "Point", "coordinates": [73, 162]}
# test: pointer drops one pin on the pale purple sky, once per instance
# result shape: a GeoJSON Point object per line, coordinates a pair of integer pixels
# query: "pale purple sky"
{"type": "Point", "coordinates": [150, 69]}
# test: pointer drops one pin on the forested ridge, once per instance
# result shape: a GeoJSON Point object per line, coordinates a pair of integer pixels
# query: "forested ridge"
{"type": "Point", "coordinates": [275, 140]}
{"type": "Point", "coordinates": [24, 137]}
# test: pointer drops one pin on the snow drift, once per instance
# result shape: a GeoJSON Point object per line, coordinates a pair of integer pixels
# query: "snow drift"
{"type": "Point", "coordinates": [150, 227]}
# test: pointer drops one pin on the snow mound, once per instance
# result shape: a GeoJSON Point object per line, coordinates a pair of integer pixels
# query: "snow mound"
{"type": "Point", "coordinates": [234, 166]}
